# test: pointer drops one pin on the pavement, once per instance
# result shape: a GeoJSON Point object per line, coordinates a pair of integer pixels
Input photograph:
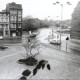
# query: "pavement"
{"type": "Point", "coordinates": [77, 41]}
{"type": "Point", "coordinates": [72, 45]}
{"type": "Point", "coordinates": [63, 65]}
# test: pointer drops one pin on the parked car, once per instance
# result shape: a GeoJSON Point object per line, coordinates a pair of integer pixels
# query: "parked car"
{"type": "Point", "coordinates": [1, 37]}
{"type": "Point", "coordinates": [55, 41]}
{"type": "Point", "coordinates": [33, 35]}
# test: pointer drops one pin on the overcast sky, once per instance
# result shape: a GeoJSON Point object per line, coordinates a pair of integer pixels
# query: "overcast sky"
{"type": "Point", "coordinates": [43, 8]}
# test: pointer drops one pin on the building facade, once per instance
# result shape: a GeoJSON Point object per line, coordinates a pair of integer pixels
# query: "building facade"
{"type": "Point", "coordinates": [15, 11]}
{"type": "Point", "coordinates": [4, 23]}
{"type": "Point", "coordinates": [75, 23]}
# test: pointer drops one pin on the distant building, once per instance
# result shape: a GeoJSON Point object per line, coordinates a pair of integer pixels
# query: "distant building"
{"type": "Point", "coordinates": [75, 33]}
{"type": "Point", "coordinates": [15, 11]}
{"type": "Point", "coordinates": [75, 23]}
{"type": "Point", "coordinates": [4, 23]}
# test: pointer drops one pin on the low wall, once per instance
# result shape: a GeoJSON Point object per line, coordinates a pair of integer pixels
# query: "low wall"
{"type": "Point", "coordinates": [10, 40]}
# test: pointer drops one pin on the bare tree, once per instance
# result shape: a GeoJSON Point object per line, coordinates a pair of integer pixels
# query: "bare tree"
{"type": "Point", "coordinates": [30, 44]}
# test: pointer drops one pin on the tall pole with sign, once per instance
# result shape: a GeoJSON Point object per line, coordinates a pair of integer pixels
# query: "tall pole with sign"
{"type": "Point", "coordinates": [67, 42]}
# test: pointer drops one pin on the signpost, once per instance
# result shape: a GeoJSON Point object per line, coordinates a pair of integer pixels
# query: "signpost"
{"type": "Point", "coordinates": [67, 42]}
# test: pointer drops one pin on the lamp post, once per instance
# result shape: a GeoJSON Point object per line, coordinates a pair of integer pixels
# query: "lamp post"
{"type": "Point", "coordinates": [57, 2]}
{"type": "Point", "coordinates": [17, 35]}
{"type": "Point", "coordinates": [49, 25]}
{"type": "Point", "coordinates": [61, 20]}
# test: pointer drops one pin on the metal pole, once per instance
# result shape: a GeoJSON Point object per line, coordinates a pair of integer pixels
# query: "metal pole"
{"type": "Point", "coordinates": [61, 20]}
{"type": "Point", "coordinates": [52, 33]}
{"type": "Point", "coordinates": [66, 45]}
{"type": "Point", "coordinates": [61, 11]}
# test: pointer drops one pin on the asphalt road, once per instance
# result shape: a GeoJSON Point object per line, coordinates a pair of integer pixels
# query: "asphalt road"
{"type": "Point", "coordinates": [67, 46]}
{"type": "Point", "coordinates": [63, 65]}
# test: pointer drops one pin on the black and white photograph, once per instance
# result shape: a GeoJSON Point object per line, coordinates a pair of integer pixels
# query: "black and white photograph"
{"type": "Point", "coordinates": [39, 39]}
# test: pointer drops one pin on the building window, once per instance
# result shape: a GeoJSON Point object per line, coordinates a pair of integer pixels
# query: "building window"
{"type": "Point", "coordinates": [19, 25]}
{"type": "Point", "coordinates": [11, 11]}
{"type": "Point", "coordinates": [11, 18]}
{"type": "Point", "coordinates": [13, 25]}
{"type": "Point", "coordinates": [7, 14]}
{"type": "Point", "coordinates": [4, 15]}
{"type": "Point", "coordinates": [0, 26]}
{"type": "Point", "coordinates": [7, 19]}
{"type": "Point", "coordinates": [6, 32]}
{"type": "Point", "coordinates": [19, 18]}
{"type": "Point", "coordinates": [14, 18]}
{"type": "Point", "coordinates": [14, 11]}
{"type": "Point", "coordinates": [19, 12]}
{"type": "Point", "coordinates": [2, 19]}
{"type": "Point", "coordinates": [6, 26]}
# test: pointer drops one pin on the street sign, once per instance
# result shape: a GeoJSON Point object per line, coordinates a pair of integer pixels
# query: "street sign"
{"type": "Point", "coordinates": [67, 38]}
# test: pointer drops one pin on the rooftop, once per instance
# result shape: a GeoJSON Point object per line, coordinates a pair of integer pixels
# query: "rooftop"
{"type": "Point", "coordinates": [4, 11]}
{"type": "Point", "coordinates": [14, 5]}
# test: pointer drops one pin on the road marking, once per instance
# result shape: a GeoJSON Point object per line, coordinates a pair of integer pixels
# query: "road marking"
{"type": "Point", "coordinates": [8, 56]}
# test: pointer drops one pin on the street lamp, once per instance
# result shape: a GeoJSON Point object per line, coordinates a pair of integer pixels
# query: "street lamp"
{"type": "Point", "coordinates": [57, 2]}
{"type": "Point", "coordinates": [52, 28]}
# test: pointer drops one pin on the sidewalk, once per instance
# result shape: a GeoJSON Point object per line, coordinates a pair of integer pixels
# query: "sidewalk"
{"type": "Point", "coordinates": [72, 45]}
{"type": "Point", "coordinates": [77, 41]}
{"type": "Point", "coordinates": [75, 44]}
{"type": "Point", "coordinates": [63, 65]}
